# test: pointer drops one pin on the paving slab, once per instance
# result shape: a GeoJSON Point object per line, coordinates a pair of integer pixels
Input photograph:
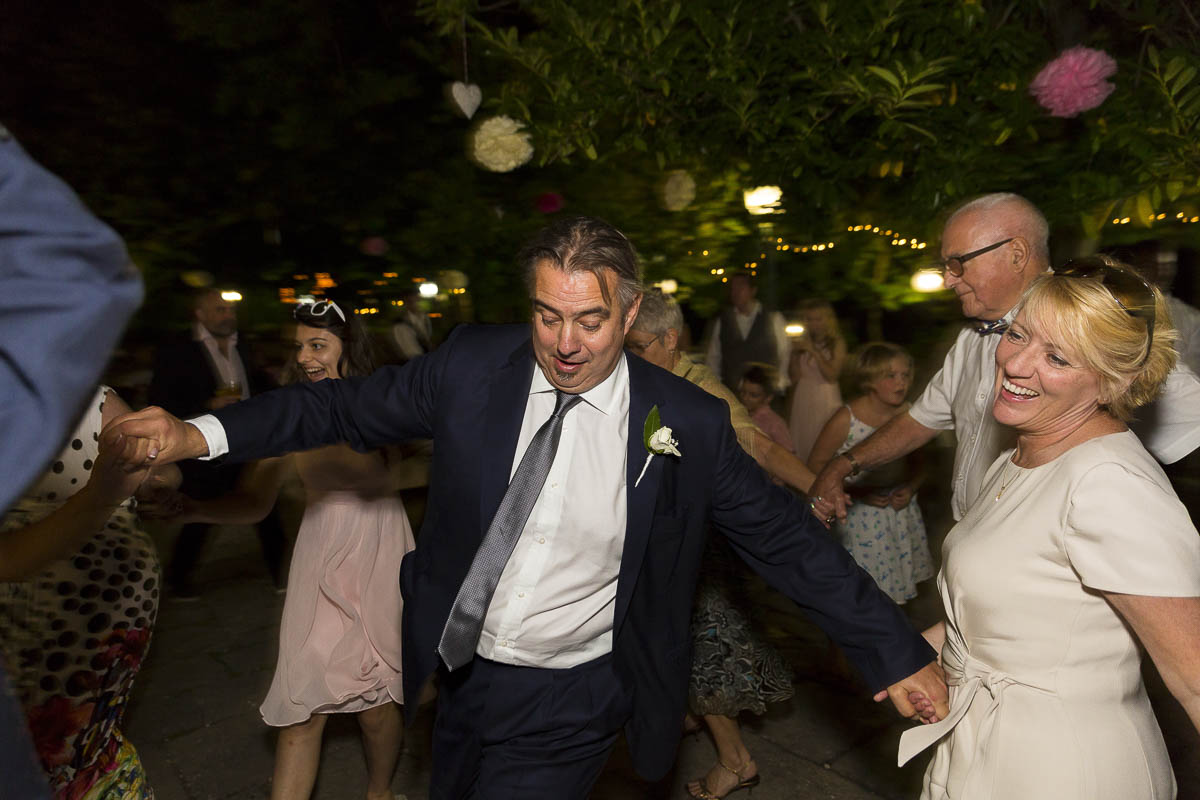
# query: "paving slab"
{"type": "Point", "coordinates": [194, 710]}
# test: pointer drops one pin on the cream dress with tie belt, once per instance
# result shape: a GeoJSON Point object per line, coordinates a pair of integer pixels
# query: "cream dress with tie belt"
{"type": "Point", "coordinates": [1046, 694]}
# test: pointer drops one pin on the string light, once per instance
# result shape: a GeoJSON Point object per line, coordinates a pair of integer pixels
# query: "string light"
{"type": "Point", "coordinates": [1180, 216]}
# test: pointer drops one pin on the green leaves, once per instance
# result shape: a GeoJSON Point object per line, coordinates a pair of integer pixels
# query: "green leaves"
{"type": "Point", "coordinates": [880, 110]}
{"type": "Point", "coordinates": [652, 424]}
{"type": "Point", "coordinates": [887, 75]}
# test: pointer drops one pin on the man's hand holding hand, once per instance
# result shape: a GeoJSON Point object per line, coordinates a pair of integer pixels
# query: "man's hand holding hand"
{"type": "Point", "coordinates": [828, 497]}
{"type": "Point", "coordinates": [921, 696]}
{"type": "Point", "coordinates": [159, 438]}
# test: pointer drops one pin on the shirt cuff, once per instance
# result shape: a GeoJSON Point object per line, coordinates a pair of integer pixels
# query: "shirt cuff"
{"type": "Point", "coordinates": [214, 434]}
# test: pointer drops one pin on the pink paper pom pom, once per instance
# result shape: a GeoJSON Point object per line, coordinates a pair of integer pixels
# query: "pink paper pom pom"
{"type": "Point", "coordinates": [374, 246]}
{"type": "Point", "coordinates": [1074, 82]}
{"type": "Point", "coordinates": [549, 202]}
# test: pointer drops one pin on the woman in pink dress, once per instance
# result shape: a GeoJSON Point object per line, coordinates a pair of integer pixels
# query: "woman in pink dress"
{"type": "Point", "coordinates": [817, 358]}
{"type": "Point", "coordinates": [339, 640]}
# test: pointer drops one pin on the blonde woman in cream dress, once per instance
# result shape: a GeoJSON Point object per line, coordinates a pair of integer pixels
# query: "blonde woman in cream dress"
{"type": "Point", "coordinates": [1076, 552]}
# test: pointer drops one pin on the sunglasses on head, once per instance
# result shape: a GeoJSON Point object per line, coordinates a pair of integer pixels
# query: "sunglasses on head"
{"type": "Point", "coordinates": [1131, 291]}
{"type": "Point", "coordinates": [318, 309]}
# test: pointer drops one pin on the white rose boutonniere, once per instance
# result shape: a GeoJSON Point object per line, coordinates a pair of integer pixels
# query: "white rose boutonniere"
{"type": "Point", "coordinates": [661, 443]}
{"type": "Point", "coordinates": [657, 439]}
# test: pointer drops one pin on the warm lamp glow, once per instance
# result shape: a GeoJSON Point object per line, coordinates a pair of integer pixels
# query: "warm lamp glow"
{"type": "Point", "coordinates": [794, 329]}
{"type": "Point", "coordinates": [428, 289]}
{"type": "Point", "coordinates": [762, 199]}
{"type": "Point", "coordinates": [668, 285]}
{"type": "Point", "coordinates": [231, 297]}
{"type": "Point", "coordinates": [928, 280]}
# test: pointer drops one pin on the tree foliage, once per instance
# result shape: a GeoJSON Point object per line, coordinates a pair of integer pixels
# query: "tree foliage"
{"type": "Point", "coordinates": [893, 108]}
{"type": "Point", "coordinates": [264, 140]}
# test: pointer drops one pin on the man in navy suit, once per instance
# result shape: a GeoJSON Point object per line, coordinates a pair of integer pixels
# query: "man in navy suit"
{"type": "Point", "coordinates": [206, 369]}
{"type": "Point", "coordinates": [586, 631]}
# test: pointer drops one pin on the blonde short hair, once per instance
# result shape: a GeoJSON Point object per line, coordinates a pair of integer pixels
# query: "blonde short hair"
{"type": "Point", "coordinates": [871, 362]}
{"type": "Point", "coordinates": [1081, 314]}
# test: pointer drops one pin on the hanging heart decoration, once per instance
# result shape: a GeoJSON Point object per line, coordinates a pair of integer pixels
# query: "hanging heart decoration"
{"type": "Point", "coordinates": [467, 97]}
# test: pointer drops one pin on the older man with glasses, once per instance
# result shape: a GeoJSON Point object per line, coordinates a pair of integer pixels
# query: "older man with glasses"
{"type": "Point", "coordinates": [993, 247]}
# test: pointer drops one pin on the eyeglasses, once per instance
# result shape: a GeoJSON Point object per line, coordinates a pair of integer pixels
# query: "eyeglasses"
{"type": "Point", "coordinates": [1131, 291]}
{"type": "Point", "coordinates": [641, 347]}
{"type": "Point", "coordinates": [954, 264]}
{"type": "Point", "coordinates": [318, 309]}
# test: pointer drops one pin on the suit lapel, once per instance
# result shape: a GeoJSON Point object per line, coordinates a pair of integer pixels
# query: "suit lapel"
{"type": "Point", "coordinates": [640, 499]}
{"type": "Point", "coordinates": [508, 392]}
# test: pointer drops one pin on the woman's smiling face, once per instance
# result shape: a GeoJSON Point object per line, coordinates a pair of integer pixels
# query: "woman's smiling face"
{"type": "Point", "coordinates": [317, 353]}
{"type": "Point", "coordinates": [1042, 387]}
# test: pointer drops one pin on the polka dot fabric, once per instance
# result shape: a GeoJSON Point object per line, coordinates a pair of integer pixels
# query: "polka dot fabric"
{"type": "Point", "coordinates": [75, 636]}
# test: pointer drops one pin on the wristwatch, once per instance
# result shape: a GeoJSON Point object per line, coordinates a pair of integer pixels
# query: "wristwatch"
{"type": "Point", "coordinates": [854, 467]}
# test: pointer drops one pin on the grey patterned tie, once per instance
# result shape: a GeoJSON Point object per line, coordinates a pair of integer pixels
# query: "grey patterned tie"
{"type": "Point", "coordinates": [461, 634]}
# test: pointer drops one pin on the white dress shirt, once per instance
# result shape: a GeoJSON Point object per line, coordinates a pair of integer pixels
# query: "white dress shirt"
{"type": "Point", "coordinates": [229, 368]}
{"type": "Point", "coordinates": [774, 320]}
{"type": "Point", "coordinates": [959, 398]}
{"type": "Point", "coordinates": [555, 601]}
{"type": "Point", "coordinates": [1187, 322]}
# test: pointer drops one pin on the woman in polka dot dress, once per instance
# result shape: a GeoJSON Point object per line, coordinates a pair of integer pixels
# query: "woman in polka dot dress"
{"type": "Point", "coordinates": [76, 616]}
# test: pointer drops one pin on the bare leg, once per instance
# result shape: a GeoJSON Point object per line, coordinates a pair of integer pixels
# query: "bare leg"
{"type": "Point", "coordinates": [732, 752]}
{"type": "Point", "coordinates": [383, 734]}
{"type": "Point", "coordinates": [297, 755]}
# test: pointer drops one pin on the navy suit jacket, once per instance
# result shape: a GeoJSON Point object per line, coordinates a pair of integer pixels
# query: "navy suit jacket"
{"type": "Point", "coordinates": [183, 382]}
{"type": "Point", "coordinates": [470, 396]}
{"type": "Point", "coordinates": [185, 379]}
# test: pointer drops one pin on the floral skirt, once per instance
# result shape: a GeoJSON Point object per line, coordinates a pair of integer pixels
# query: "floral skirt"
{"type": "Point", "coordinates": [121, 778]}
{"type": "Point", "coordinates": [733, 669]}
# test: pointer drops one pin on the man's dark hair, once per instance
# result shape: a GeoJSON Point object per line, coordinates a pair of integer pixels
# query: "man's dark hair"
{"type": "Point", "coordinates": [198, 296]}
{"type": "Point", "coordinates": [763, 375]}
{"type": "Point", "coordinates": [590, 244]}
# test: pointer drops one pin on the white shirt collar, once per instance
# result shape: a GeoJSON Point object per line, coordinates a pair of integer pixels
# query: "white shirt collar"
{"type": "Point", "coordinates": [202, 334]}
{"type": "Point", "coordinates": [604, 396]}
{"type": "Point", "coordinates": [755, 307]}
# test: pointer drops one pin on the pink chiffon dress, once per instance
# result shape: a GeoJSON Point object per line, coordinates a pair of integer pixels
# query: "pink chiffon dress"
{"type": "Point", "coordinates": [814, 400]}
{"type": "Point", "coordinates": [339, 641]}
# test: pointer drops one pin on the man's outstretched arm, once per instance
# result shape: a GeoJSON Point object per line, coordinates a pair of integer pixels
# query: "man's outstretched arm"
{"type": "Point", "coordinates": [897, 438]}
{"type": "Point", "coordinates": [161, 438]}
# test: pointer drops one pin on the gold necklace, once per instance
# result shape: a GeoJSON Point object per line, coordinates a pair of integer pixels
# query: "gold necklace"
{"type": "Point", "coordinates": [1003, 483]}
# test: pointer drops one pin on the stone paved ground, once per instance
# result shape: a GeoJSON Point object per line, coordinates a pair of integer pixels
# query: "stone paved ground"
{"type": "Point", "coordinates": [194, 712]}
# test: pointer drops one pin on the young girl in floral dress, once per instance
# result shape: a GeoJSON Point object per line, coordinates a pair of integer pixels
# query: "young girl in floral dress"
{"type": "Point", "coordinates": [884, 530]}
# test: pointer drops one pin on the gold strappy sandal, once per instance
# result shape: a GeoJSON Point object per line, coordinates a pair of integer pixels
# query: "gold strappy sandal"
{"type": "Point", "coordinates": [743, 783]}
